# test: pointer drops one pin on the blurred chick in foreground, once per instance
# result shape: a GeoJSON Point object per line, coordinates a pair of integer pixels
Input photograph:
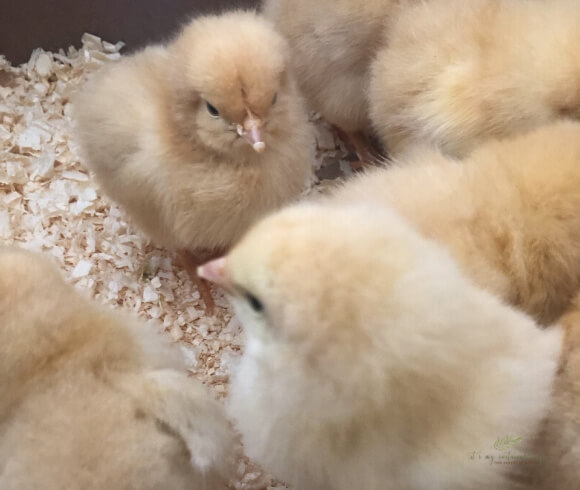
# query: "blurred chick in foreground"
{"type": "Point", "coordinates": [456, 73]}
{"type": "Point", "coordinates": [92, 399]}
{"type": "Point", "coordinates": [332, 44]}
{"type": "Point", "coordinates": [199, 138]}
{"type": "Point", "coordinates": [371, 361]}
{"type": "Point", "coordinates": [508, 213]}
{"type": "Point", "coordinates": [558, 448]}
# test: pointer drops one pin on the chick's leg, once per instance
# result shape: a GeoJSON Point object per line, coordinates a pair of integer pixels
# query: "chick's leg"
{"type": "Point", "coordinates": [361, 145]}
{"type": "Point", "coordinates": [190, 262]}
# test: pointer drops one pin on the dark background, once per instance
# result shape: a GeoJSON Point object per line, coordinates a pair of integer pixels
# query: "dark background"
{"type": "Point", "coordinates": [54, 24]}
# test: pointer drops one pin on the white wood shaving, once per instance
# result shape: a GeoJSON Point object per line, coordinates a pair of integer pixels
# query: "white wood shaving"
{"type": "Point", "coordinates": [50, 203]}
{"type": "Point", "coordinates": [82, 269]}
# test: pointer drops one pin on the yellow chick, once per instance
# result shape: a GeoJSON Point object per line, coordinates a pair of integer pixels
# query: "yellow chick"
{"type": "Point", "coordinates": [558, 446]}
{"type": "Point", "coordinates": [508, 213]}
{"type": "Point", "coordinates": [455, 73]}
{"type": "Point", "coordinates": [199, 138]}
{"type": "Point", "coordinates": [92, 399]}
{"type": "Point", "coordinates": [370, 360]}
{"type": "Point", "coordinates": [333, 43]}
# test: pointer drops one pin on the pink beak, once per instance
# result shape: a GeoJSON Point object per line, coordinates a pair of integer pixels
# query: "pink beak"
{"type": "Point", "coordinates": [251, 130]}
{"type": "Point", "coordinates": [214, 271]}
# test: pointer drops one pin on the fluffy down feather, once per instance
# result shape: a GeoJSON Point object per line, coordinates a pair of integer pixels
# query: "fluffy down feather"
{"type": "Point", "coordinates": [371, 361]}
{"type": "Point", "coordinates": [333, 43]}
{"type": "Point", "coordinates": [92, 399]}
{"type": "Point", "coordinates": [199, 138]}
{"type": "Point", "coordinates": [508, 213]}
{"type": "Point", "coordinates": [558, 447]}
{"type": "Point", "coordinates": [456, 73]}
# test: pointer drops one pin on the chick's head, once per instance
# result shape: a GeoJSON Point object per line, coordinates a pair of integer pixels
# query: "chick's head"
{"type": "Point", "coordinates": [231, 85]}
{"type": "Point", "coordinates": [323, 291]}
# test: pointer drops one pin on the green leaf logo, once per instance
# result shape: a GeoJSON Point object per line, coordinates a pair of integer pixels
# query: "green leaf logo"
{"type": "Point", "coordinates": [507, 442]}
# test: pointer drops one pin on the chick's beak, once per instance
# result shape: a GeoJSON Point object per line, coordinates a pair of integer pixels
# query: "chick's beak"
{"type": "Point", "coordinates": [215, 271]}
{"type": "Point", "coordinates": [251, 130]}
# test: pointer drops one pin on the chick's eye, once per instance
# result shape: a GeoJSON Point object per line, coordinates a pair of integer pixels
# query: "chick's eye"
{"type": "Point", "coordinates": [212, 110]}
{"type": "Point", "coordinates": [275, 98]}
{"type": "Point", "coordinates": [255, 303]}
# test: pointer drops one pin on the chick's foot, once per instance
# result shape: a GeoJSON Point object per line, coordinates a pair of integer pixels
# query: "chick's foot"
{"type": "Point", "coordinates": [359, 143]}
{"type": "Point", "coordinates": [190, 262]}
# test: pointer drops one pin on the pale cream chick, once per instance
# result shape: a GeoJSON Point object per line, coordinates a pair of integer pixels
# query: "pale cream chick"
{"type": "Point", "coordinates": [370, 360]}
{"type": "Point", "coordinates": [332, 45]}
{"type": "Point", "coordinates": [558, 448]}
{"type": "Point", "coordinates": [92, 399]}
{"type": "Point", "coordinates": [455, 73]}
{"type": "Point", "coordinates": [508, 214]}
{"type": "Point", "coordinates": [199, 138]}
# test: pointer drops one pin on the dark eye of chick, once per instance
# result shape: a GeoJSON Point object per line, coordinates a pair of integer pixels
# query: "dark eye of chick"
{"type": "Point", "coordinates": [255, 303]}
{"type": "Point", "coordinates": [212, 110]}
{"type": "Point", "coordinates": [275, 98]}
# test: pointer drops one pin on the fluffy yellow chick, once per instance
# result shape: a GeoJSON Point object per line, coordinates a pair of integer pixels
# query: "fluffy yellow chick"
{"type": "Point", "coordinates": [558, 447]}
{"type": "Point", "coordinates": [371, 361]}
{"type": "Point", "coordinates": [94, 400]}
{"type": "Point", "coordinates": [455, 73]}
{"type": "Point", "coordinates": [333, 43]}
{"type": "Point", "coordinates": [508, 214]}
{"type": "Point", "coordinates": [198, 138]}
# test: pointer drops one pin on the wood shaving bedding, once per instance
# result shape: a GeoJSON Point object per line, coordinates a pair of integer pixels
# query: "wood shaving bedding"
{"type": "Point", "coordinates": [50, 203]}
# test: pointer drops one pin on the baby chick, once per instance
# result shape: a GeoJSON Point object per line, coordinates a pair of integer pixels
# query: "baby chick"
{"type": "Point", "coordinates": [333, 43]}
{"type": "Point", "coordinates": [376, 366]}
{"type": "Point", "coordinates": [199, 138]}
{"type": "Point", "coordinates": [92, 399]}
{"type": "Point", "coordinates": [456, 73]}
{"type": "Point", "coordinates": [558, 447]}
{"type": "Point", "coordinates": [508, 213]}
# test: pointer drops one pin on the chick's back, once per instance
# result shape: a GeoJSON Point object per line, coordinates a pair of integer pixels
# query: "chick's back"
{"type": "Point", "coordinates": [92, 399]}
{"type": "Point", "coordinates": [456, 73]}
{"type": "Point", "coordinates": [508, 213]}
